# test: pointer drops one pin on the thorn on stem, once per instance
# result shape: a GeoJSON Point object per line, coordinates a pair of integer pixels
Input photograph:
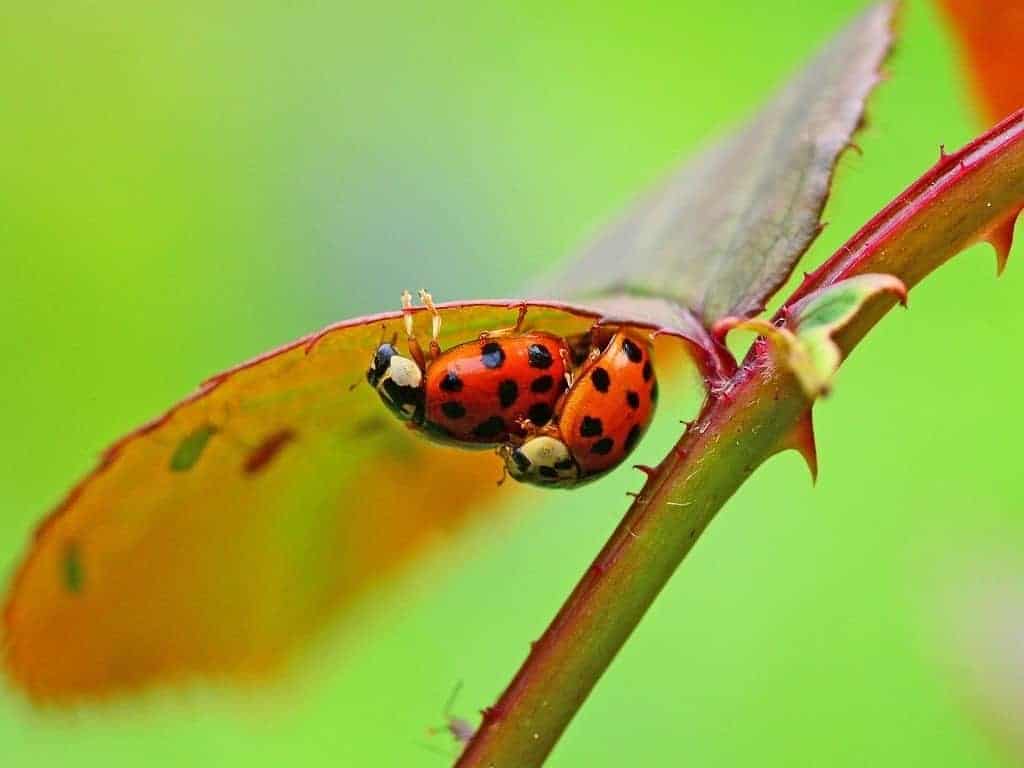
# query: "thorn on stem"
{"type": "Point", "coordinates": [1000, 237]}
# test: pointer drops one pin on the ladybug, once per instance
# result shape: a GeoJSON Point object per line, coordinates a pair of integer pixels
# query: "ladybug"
{"type": "Point", "coordinates": [554, 424]}
{"type": "Point", "coordinates": [598, 421]}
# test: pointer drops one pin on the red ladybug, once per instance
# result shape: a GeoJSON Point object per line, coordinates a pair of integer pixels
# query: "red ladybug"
{"type": "Point", "coordinates": [555, 424]}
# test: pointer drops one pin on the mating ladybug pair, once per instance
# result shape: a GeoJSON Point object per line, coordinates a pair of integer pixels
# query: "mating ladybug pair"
{"type": "Point", "coordinates": [559, 413]}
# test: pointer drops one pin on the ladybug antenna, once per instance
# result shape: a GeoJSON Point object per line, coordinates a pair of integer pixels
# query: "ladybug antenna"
{"type": "Point", "coordinates": [380, 343]}
{"type": "Point", "coordinates": [384, 335]}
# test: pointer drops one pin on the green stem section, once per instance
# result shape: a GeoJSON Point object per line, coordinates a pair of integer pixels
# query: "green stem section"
{"type": "Point", "coordinates": [735, 434]}
{"type": "Point", "coordinates": [974, 194]}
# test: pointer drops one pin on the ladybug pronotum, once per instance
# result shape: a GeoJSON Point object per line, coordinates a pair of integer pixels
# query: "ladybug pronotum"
{"type": "Point", "coordinates": [553, 422]}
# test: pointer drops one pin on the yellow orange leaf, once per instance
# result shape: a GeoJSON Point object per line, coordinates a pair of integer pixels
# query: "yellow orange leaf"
{"type": "Point", "coordinates": [217, 538]}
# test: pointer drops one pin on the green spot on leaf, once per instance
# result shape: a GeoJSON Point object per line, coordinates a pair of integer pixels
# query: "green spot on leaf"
{"type": "Point", "coordinates": [191, 448]}
{"type": "Point", "coordinates": [71, 569]}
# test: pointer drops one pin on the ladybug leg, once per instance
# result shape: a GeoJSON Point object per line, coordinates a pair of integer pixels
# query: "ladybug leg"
{"type": "Point", "coordinates": [415, 351]}
{"type": "Point", "coordinates": [511, 331]}
{"type": "Point", "coordinates": [500, 453]}
{"type": "Point", "coordinates": [435, 324]}
{"type": "Point", "coordinates": [520, 317]}
{"type": "Point", "coordinates": [596, 347]}
{"type": "Point", "coordinates": [566, 365]}
{"type": "Point", "coordinates": [529, 428]}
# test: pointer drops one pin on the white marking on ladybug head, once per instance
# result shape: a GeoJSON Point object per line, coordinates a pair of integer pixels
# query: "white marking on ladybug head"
{"type": "Point", "coordinates": [404, 372]}
{"type": "Point", "coordinates": [398, 381]}
{"type": "Point", "coordinates": [542, 460]}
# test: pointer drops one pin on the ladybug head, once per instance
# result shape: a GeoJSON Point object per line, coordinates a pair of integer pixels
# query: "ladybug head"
{"type": "Point", "coordinates": [541, 460]}
{"type": "Point", "coordinates": [398, 381]}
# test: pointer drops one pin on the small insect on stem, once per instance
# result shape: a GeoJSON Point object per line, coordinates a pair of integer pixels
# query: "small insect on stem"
{"type": "Point", "coordinates": [460, 729]}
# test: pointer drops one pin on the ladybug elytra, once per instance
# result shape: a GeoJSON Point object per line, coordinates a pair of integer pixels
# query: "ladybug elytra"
{"type": "Point", "coordinates": [554, 422]}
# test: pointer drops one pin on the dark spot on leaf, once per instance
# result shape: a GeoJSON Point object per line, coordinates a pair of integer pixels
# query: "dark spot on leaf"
{"type": "Point", "coordinates": [508, 391]}
{"type": "Point", "coordinates": [369, 426]}
{"type": "Point", "coordinates": [541, 384]}
{"type": "Point", "coordinates": [71, 569]}
{"type": "Point", "coordinates": [603, 446]}
{"type": "Point", "coordinates": [591, 427]}
{"type": "Point", "coordinates": [492, 355]}
{"type": "Point", "coordinates": [493, 427]}
{"type": "Point", "coordinates": [601, 379]}
{"type": "Point", "coordinates": [539, 355]}
{"type": "Point", "coordinates": [453, 410]}
{"type": "Point", "coordinates": [267, 451]}
{"type": "Point", "coordinates": [191, 448]}
{"type": "Point", "coordinates": [539, 414]}
{"type": "Point", "coordinates": [549, 472]}
{"type": "Point", "coordinates": [633, 352]}
{"type": "Point", "coordinates": [648, 371]}
{"type": "Point", "coordinates": [632, 437]}
{"type": "Point", "coordinates": [451, 382]}
{"type": "Point", "coordinates": [633, 399]}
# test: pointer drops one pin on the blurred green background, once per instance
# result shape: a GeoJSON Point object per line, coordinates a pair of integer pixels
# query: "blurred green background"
{"type": "Point", "coordinates": [185, 185]}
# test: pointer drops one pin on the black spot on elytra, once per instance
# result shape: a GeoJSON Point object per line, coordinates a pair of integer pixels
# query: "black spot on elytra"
{"type": "Point", "coordinates": [539, 414]}
{"type": "Point", "coordinates": [549, 472]}
{"type": "Point", "coordinates": [591, 427]}
{"type": "Point", "coordinates": [539, 355]}
{"type": "Point", "coordinates": [493, 427]}
{"type": "Point", "coordinates": [632, 437]}
{"type": "Point", "coordinates": [648, 371]}
{"type": "Point", "coordinates": [654, 392]}
{"type": "Point", "coordinates": [492, 355]}
{"type": "Point", "coordinates": [541, 384]}
{"type": "Point", "coordinates": [508, 391]}
{"type": "Point", "coordinates": [633, 399]}
{"type": "Point", "coordinates": [603, 446]}
{"type": "Point", "coordinates": [453, 409]}
{"type": "Point", "coordinates": [451, 382]}
{"type": "Point", "coordinates": [564, 464]}
{"type": "Point", "coordinates": [601, 379]}
{"type": "Point", "coordinates": [633, 352]}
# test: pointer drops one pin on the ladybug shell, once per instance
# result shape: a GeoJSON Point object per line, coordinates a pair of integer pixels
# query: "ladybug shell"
{"type": "Point", "coordinates": [610, 405]}
{"type": "Point", "coordinates": [478, 391]}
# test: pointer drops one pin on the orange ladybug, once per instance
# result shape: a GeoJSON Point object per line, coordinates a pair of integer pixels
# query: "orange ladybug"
{"type": "Point", "coordinates": [554, 424]}
{"type": "Point", "coordinates": [598, 421]}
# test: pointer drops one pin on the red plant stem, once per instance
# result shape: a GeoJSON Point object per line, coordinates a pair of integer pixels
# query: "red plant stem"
{"type": "Point", "coordinates": [660, 528]}
{"type": "Point", "coordinates": [974, 194]}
